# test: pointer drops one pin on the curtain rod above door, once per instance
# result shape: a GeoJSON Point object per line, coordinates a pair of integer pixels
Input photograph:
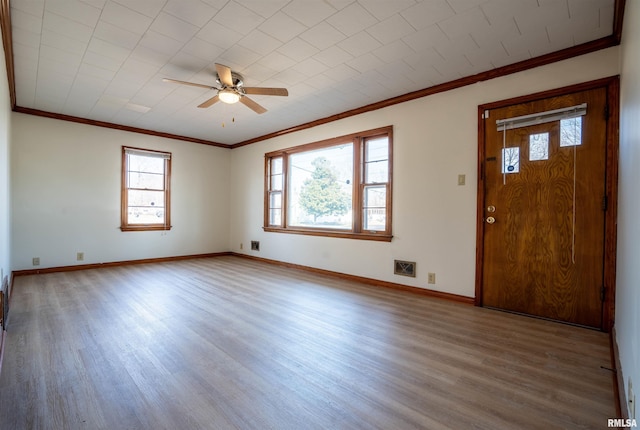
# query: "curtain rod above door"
{"type": "Point", "coordinates": [541, 117]}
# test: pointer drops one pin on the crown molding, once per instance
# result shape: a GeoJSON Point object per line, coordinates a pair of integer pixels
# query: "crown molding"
{"type": "Point", "coordinates": [111, 125]}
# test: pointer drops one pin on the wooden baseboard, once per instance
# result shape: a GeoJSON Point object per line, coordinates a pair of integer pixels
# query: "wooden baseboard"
{"type": "Point", "coordinates": [369, 281]}
{"type": "Point", "coordinates": [3, 331]}
{"type": "Point", "coordinates": [5, 295]}
{"type": "Point", "coordinates": [618, 379]}
{"type": "Point", "coordinates": [3, 334]}
{"type": "Point", "coordinates": [361, 279]}
{"type": "Point", "coordinates": [115, 263]}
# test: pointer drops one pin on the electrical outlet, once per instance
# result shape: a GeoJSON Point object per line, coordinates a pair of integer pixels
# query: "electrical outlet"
{"type": "Point", "coordinates": [241, 245]}
{"type": "Point", "coordinates": [35, 261]}
{"type": "Point", "coordinates": [80, 256]}
{"type": "Point", "coordinates": [431, 278]}
{"type": "Point", "coordinates": [462, 179]}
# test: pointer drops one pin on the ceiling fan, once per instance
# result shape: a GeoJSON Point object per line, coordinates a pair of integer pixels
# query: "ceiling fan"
{"type": "Point", "coordinates": [232, 89]}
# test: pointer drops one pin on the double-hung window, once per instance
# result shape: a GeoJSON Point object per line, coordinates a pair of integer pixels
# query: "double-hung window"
{"type": "Point", "coordinates": [339, 187]}
{"type": "Point", "coordinates": [146, 178]}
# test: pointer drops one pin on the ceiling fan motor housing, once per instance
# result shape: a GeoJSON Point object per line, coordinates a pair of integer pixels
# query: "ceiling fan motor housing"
{"type": "Point", "coordinates": [237, 79]}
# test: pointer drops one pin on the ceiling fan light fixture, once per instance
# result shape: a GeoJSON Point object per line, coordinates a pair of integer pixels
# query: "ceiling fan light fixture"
{"type": "Point", "coordinates": [228, 96]}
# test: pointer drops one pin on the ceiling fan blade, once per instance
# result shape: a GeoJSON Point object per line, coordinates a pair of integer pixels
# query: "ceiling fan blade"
{"type": "Point", "coordinates": [252, 105]}
{"type": "Point", "coordinates": [266, 91]}
{"type": "Point", "coordinates": [209, 102]}
{"type": "Point", "coordinates": [224, 73]}
{"type": "Point", "coordinates": [193, 84]}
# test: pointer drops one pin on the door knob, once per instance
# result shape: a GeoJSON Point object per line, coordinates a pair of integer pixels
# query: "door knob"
{"type": "Point", "coordinates": [491, 220]}
{"type": "Point", "coordinates": [491, 209]}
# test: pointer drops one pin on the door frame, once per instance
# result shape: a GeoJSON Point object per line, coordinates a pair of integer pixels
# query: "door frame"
{"type": "Point", "coordinates": [612, 86]}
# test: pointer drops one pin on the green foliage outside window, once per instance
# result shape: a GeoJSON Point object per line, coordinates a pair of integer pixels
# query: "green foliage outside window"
{"type": "Point", "coordinates": [321, 194]}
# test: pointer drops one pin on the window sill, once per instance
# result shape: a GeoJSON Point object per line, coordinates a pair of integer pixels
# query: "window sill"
{"type": "Point", "coordinates": [380, 237]}
{"type": "Point", "coordinates": [145, 227]}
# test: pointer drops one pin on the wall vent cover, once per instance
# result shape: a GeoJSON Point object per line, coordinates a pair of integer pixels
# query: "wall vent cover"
{"type": "Point", "coordinates": [255, 245]}
{"type": "Point", "coordinates": [404, 268]}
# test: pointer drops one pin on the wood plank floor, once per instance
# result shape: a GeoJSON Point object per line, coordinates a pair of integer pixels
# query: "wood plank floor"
{"type": "Point", "coordinates": [231, 343]}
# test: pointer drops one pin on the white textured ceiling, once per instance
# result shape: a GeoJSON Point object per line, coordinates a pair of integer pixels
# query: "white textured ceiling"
{"type": "Point", "coordinates": [104, 60]}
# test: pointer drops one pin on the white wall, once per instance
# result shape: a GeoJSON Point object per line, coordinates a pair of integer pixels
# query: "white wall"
{"type": "Point", "coordinates": [5, 132]}
{"type": "Point", "coordinates": [628, 275]}
{"type": "Point", "coordinates": [66, 195]}
{"type": "Point", "coordinates": [434, 219]}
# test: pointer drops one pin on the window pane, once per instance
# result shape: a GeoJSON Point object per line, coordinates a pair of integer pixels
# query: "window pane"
{"type": "Point", "coordinates": [275, 201]}
{"type": "Point", "coordinates": [276, 166]}
{"type": "Point", "coordinates": [321, 188]}
{"type": "Point", "coordinates": [539, 146]}
{"type": "Point", "coordinates": [571, 131]}
{"type": "Point", "coordinates": [275, 191]}
{"type": "Point", "coordinates": [376, 160]}
{"type": "Point", "coordinates": [375, 202]}
{"type": "Point", "coordinates": [151, 181]}
{"type": "Point", "coordinates": [146, 198]}
{"type": "Point", "coordinates": [511, 160]}
{"type": "Point", "coordinates": [145, 207]}
{"type": "Point", "coordinates": [275, 217]}
{"type": "Point", "coordinates": [138, 215]}
{"type": "Point", "coordinates": [376, 172]}
{"type": "Point", "coordinates": [276, 182]}
{"type": "Point", "coordinates": [141, 163]}
{"type": "Point", "coordinates": [377, 149]}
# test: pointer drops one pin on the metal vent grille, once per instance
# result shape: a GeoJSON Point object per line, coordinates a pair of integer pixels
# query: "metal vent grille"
{"type": "Point", "coordinates": [404, 268]}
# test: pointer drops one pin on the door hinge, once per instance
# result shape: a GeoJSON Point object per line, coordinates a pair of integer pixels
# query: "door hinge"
{"type": "Point", "coordinates": [605, 203]}
{"type": "Point", "coordinates": [602, 293]}
{"type": "Point", "coordinates": [485, 115]}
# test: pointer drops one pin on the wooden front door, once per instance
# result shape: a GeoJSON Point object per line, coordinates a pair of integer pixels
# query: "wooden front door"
{"type": "Point", "coordinates": [543, 216]}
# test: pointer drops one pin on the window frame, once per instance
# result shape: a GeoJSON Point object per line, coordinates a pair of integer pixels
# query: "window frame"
{"type": "Point", "coordinates": [357, 231]}
{"type": "Point", "coordinates": [124, 195]}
